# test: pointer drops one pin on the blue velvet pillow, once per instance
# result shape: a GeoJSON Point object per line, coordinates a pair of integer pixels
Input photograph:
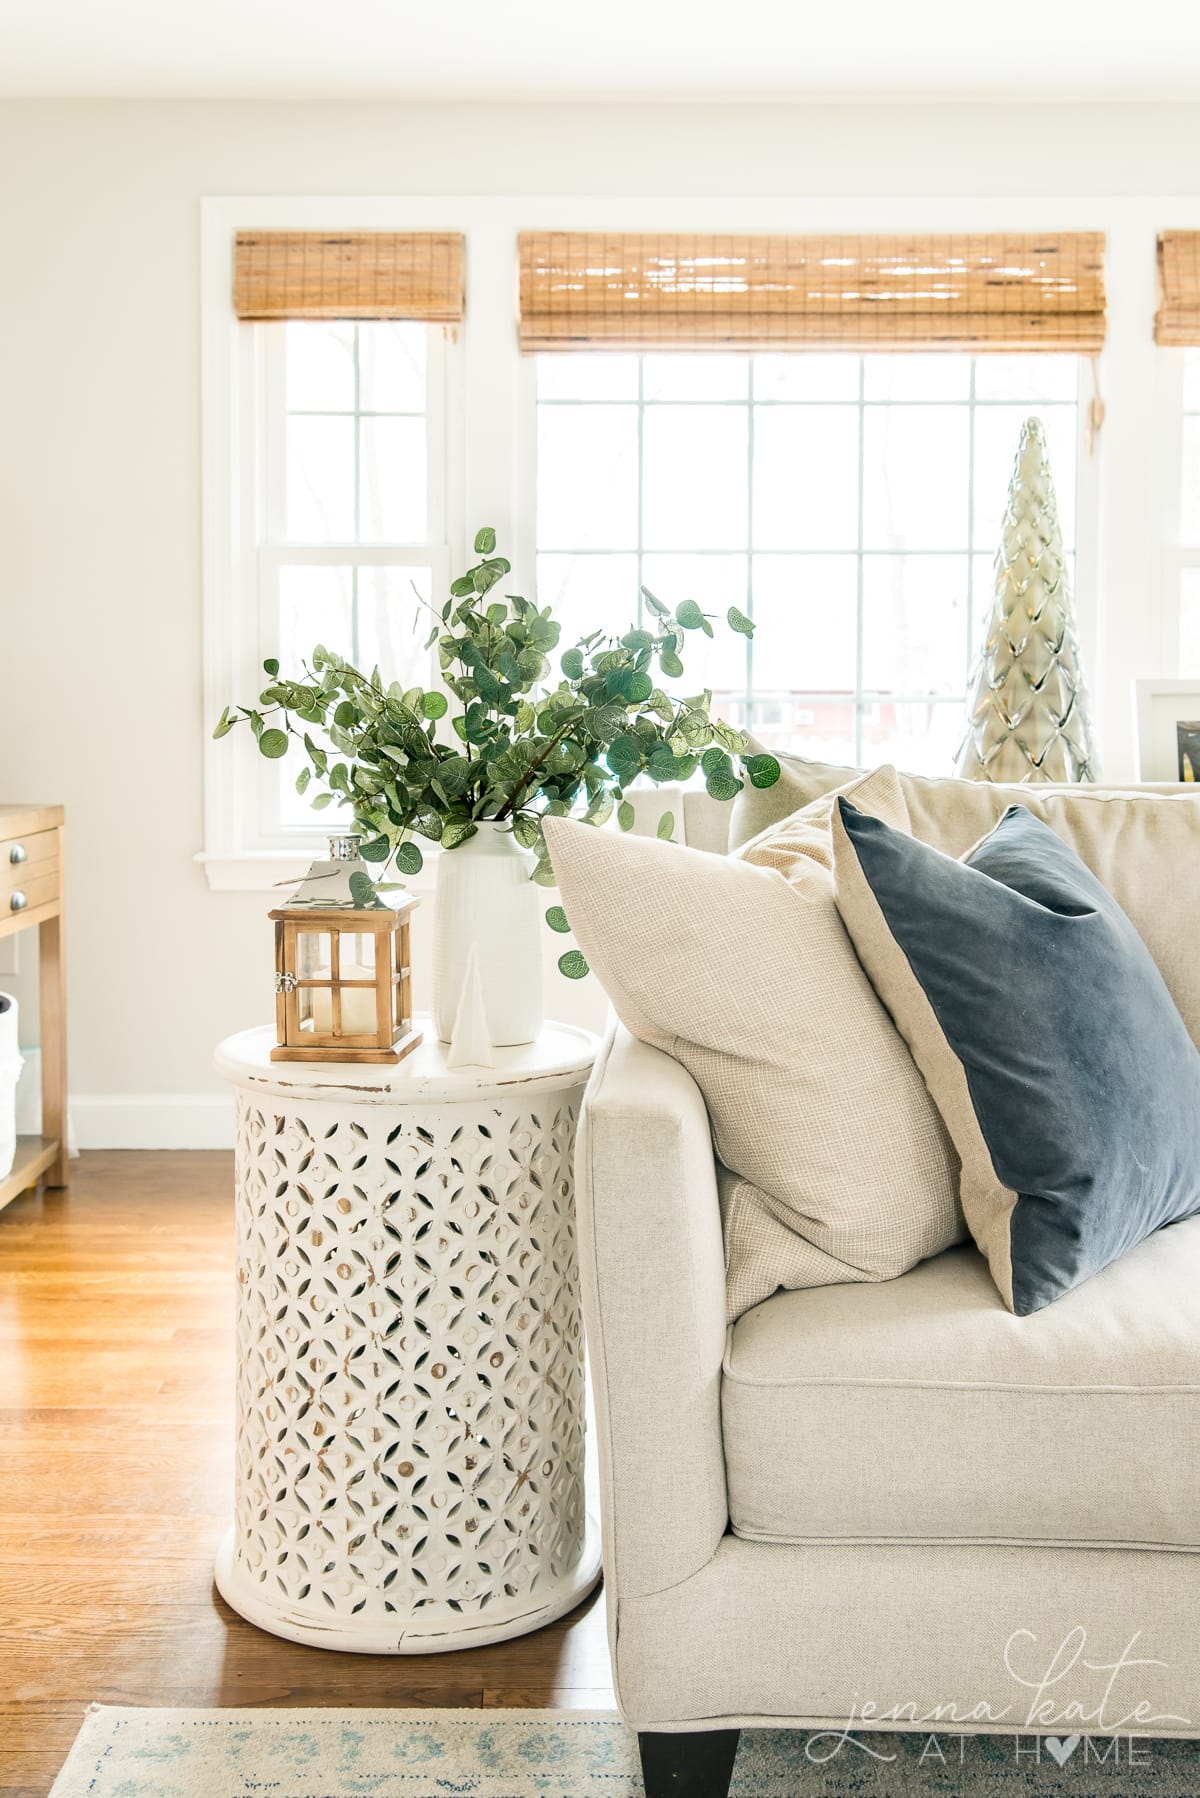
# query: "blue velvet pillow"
{"type": "Point", "coordinates": [1061, 1067]}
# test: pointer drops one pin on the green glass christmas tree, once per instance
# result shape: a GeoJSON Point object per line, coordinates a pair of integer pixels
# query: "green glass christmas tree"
{"type": "Point", "coordinates": [1027, 713]}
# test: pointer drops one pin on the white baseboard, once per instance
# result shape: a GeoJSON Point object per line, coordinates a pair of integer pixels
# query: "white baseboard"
{"type": "Point", "coordinates": [130, 1120]}
{"type": "Point", "coordinates": [152, 1120]}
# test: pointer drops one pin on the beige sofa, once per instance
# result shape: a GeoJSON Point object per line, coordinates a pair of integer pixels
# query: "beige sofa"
{"type": "Point", "coordinates": [887, 1506]}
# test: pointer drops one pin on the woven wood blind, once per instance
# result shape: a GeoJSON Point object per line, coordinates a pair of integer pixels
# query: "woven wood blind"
{"type": "Point", "coordinates": [349, 274]}
{"type": "Point", "coordinates": [1177, 321]}
{"type": "Point", "coordinates": [1000, 292]}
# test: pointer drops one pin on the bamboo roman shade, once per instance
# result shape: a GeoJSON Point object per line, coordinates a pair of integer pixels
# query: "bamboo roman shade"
{"type": "Point", "coordinates": [592, 289]}
{"type": "Point", "coordinates": [349, 274]}
{"type": "Point", "coordinates": [1177, 321]}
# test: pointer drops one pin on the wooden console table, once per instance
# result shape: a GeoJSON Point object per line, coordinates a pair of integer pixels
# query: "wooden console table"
{"type": "Point", "coordinates": [31, 893]}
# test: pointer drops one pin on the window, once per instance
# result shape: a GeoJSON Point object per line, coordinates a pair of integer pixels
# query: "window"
{"type": "Point", "coordinates": [850, 504]}
{"type": "Point", "coordinates": [348, 508]}
{"type": "Point", "coordinates": [1189, 519]}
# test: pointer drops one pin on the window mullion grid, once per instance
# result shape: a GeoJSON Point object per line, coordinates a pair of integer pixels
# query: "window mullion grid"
{"type": "Point", "coordinates": [641, 466]}
{"type": "Point", "coordinates": [354, 626]}
{"type": "Point", "coordinates": [970, 520]}
{"type": "Point", "coordinates": [859, 565]}
{"type": "Point", "coordinates": [748, 712]}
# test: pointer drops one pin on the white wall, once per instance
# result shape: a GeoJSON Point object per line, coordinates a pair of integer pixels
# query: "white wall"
{"type": "Point", "coordinates": [99, 460]}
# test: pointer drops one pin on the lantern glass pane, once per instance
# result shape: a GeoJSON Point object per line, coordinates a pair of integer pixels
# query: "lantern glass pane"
{"type": "Point", "coordinates": [358, 955]}
{"type": "Point", "coordinates": [313, 955]}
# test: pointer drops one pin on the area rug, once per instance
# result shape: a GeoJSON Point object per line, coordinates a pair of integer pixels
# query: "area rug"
{"type": "Point", "coordinates": [576, 1754]}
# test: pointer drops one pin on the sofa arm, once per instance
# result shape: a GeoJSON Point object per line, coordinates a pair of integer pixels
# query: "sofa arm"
{"type": "Point", "coordinates": [653, 1277]}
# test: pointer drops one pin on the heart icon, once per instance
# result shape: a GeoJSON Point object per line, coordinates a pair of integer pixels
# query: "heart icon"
{"type": "Point", "coordinates": [1061, 1747]}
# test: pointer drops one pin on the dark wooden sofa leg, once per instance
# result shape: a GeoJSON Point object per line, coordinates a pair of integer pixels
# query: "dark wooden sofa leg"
{"type": "Point", "coordinates": [698, 1764]}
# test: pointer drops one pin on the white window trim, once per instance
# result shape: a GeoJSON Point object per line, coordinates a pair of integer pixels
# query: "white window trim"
{"type": "Point", "coordinates": [1127, 533]}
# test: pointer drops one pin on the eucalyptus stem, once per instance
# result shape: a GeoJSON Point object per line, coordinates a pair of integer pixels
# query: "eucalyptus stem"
{"type": "Point", "coordinates": [378, 751]}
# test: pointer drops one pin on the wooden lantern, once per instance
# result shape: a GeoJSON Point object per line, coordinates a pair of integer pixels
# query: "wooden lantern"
{"type": "Point", "coordinates": [343, 969]}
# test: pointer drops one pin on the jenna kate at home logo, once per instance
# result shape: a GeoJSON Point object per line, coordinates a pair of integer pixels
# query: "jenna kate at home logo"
{"type": "Point", "coordinates": [1070, 1702]}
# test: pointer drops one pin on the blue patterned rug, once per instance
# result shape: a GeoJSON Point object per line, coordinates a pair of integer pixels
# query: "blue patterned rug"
{"type": "Point", "coordinates": [575, 1754]}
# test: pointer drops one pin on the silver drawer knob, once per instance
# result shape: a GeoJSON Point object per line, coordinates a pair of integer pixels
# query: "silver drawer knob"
{"type": "Point", "coordinates": [18, 902]}
{"type": "Point", "coordinates": [17, 853]}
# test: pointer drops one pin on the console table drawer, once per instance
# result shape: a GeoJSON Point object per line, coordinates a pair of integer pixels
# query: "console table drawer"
{"type": "Point", "coordinates": [29, 865]}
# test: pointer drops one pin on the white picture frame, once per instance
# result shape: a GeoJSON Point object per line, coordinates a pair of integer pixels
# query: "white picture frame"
{"type": "Point", "coordinates": [1159, 705]}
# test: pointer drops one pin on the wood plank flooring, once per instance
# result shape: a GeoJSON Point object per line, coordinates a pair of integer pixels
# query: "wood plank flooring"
{"type": "Point", "coordinates": [116, 1380]}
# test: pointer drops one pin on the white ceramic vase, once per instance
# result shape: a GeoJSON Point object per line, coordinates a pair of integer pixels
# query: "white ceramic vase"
{"type": "Point", "coordinates": [10, 1073]}
{"type": "Point", "coordinates": [485, 896]}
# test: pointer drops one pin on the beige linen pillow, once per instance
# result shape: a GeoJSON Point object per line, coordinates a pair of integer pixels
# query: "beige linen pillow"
{"type": "Point", "coordinates": [946, 811]}
{"type": "Point", "coordinates": [1142, 844]}
{"type": "Point", "coordinates": [757, 809]}
{"type": "Point", "coordinates": [840, 1168]}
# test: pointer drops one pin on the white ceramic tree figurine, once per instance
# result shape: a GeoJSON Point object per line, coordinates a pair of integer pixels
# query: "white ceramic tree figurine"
{"type": "Point", "coordinates": [1027, 713]}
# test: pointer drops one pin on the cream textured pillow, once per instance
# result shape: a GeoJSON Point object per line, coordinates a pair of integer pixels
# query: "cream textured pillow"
{"type": "Point", "coordinates": [946, 811]}
{"type": "Point", "coordinates": [1141, 843]}
{"type": "Point", "coordinates": [839, 1165]}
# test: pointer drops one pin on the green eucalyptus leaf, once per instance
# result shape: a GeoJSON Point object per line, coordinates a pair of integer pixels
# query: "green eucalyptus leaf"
{"type": "Point", "coordinates": [457, 831]}
{"type": "Point", "coordinates": [625, 755]}
{"type": "Point", "coordinates": [666, 827]}
{"type": "Point", "coordinates": [273, 744]}
{"type": "Point", "coordinates": [600, 810]}
{"type": "Point", "coordinates": [626, 816]}
{"type": "Point", "coordinates": [377, 850]}
{"type": "Point", "coordinates": [409, 859]}
{"type": "Point", "coordinates": [302, 779]}
{"type": "Point", "coordinates": [556, 917]}
{"type": "Point", "coordinates": [723, 786]}
{"type": "Point", "coordinates": [362, 890]}
{"type": "Point", "coordinates": [640, 689]}
{"type": "Point", "coordinates": [271, 666]}
{"type": "Point", "coordinates": [690, 616]}
{"type": "Point", "coordinates": [738, 621]}
{"type": "Point", "coordinates": [434, 704]}
{"type": "Point", "coordinates": [655, 605]}
{"type": "Point", "coordinates": [571, 663]}
{"type": "Point", "coordinates": [485, 541]}
{"type": "Point", "coordinates": [670, 664]}
{"type": "Point", "coordinates": [321, 801]}
{"type": "Point", "coordinates": [573, 964]}
{"type": "Point", "coordinates": [224, 725]}
{"type": "Point", "coordinates": [763, 770]}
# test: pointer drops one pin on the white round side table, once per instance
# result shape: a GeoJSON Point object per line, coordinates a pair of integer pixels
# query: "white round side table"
{"type": "Point", "coordinates": [410, 1387]}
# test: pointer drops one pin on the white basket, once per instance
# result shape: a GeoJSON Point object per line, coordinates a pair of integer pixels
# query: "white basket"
{"type": "Point", "coordinates": [10, 1073]}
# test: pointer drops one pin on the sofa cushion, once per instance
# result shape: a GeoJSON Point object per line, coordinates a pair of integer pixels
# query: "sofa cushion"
{"type": "Point", "coordinates": [922, 1411]}
{"type": "Point", "coordinates": [1064, 1072]}
{"type": "Point", "coordinates": [840, 1166]}
{"type": "Point", "coordinates": [945, 810]}
{"type": "Point", "coordinates": [1141, 844]}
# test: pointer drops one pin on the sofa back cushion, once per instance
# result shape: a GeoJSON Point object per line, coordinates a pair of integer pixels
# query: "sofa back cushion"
{"type": "Point", "coordinates": [839, 1165]}
{"type": "Point", "coordinates": [948, 812]}
{"type": "Point", "coordinates": [1141, 843]}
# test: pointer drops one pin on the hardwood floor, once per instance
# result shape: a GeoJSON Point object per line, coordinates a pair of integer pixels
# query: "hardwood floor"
{"type": "Point", "coordinates": [116, 1370]}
